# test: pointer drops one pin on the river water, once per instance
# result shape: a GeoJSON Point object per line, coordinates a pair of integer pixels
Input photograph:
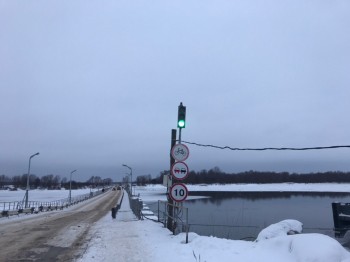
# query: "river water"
{"type": "Point", "coordinates": [242, 215]}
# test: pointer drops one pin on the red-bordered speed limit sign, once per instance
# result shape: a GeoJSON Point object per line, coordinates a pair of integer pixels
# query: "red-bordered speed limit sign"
{"type": "Point", "coordinates": [178, 192]}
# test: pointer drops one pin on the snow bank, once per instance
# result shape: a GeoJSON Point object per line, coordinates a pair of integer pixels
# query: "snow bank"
{"type": "Point", "coordinates": [285, 227]}
{"type": "Point", "coordinates": [315, 247]}
{"type": "Point", "coordinates": [148, 241]}
{"type": "Point", "coordinates": [299, 247]}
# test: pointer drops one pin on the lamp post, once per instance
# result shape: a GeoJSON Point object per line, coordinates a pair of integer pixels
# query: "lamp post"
{"type": "Point", "coordinates": [130, 175]}
{"type": "Point", "coordinates": [27, 189]}
{"type": "Point", "coordinates": [70, 186]}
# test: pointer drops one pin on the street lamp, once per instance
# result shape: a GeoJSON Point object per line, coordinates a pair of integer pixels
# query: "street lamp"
{"type": "Point", "coordinates": [27, 189]}
{"type": "Point", "coordinates": [70, 186]}
{"type": "Point", "coordinates": [130, 175]}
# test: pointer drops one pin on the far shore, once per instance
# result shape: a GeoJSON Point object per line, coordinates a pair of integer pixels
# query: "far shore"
{"type": "Point", "coordinates": [272, 187]}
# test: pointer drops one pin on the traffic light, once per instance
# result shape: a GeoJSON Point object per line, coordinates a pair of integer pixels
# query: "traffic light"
{"type": "Point", "coordinates": [181, 116]}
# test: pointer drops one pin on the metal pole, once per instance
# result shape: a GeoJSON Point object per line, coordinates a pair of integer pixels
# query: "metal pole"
{"type": "Point", "coordinates": [165, 214]}
{"type": "Point", "coordinates": [158, 210]}
{"type": "Point", "coordinates": [70, 187]}
{"type": "Point", "coordinates": [187, 227]}
{"type": "Point", "coordinates": [130, 175]}
{"type": "Point", "coordinates": [180, 135]}
{"type": "Point", "coordinates": [27, 189]}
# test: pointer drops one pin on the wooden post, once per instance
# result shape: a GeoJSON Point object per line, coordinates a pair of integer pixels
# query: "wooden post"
{"type": "Point", "coordinates": [170, 201]}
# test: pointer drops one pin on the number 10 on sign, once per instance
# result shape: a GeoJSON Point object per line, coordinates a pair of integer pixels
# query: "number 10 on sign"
{"type": "Point", "coordinates": [178, 192]}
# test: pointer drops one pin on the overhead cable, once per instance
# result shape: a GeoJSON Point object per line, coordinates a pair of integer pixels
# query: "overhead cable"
{"type": "Point", "coordinates": [267, 148]}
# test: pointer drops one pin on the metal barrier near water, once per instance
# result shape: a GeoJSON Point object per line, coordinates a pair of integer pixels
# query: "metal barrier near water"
{"type": "Point", "coordinates": [135, 204]}
{"type": "Point", "coordinates": [341, 218]}
{"type": "Point", "coordinates": [179, 217]}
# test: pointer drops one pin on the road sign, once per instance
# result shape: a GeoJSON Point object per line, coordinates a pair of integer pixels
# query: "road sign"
{"type": "Point", "coordinates": [179, 170]}
{"type": "Point", "coordinates": [180, 152]}
{"type": "Point", "coordinates": [178, 192]}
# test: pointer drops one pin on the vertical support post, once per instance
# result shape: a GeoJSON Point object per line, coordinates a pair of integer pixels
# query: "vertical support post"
{"type": "Point", "coordinates": [337, 224]}
{"type": "Point", "coordinates": [170, 201]}
{"type": "Point", "coordinates": [335, 210]}
{"type": "Point", "coordinates": [187, 226]}
{"type": "Point", "coordinates": [131, 181]}
{"type": "Point", "coordinates": [158, 210]}
{"type": "Point", "coordinates": [180, 135]}
{"type": "Point", "coordinates": [70, 187]}
{"type": "Point", "coordinates": [165, 215]}
{"type": "Point", "coordinates": [27, 188]}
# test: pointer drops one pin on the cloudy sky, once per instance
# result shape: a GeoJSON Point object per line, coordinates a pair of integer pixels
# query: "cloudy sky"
{"type": "Point", "coordinates": [92, 85]}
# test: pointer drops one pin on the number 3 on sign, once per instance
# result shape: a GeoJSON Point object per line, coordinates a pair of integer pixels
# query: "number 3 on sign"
{"type": "Point", "coordinates": [178, 192]}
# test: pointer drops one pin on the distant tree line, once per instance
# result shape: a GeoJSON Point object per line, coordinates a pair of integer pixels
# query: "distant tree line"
{"type": "Point", "coordinates": [216, 176]}
{"type": "Point", "coordinates": [143, 180]}
{"type": "Point", "coordinates": [51, 182]}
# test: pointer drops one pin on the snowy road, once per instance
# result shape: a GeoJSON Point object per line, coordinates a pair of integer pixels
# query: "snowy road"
{"type": "Point", "coordinates": [55, 235]}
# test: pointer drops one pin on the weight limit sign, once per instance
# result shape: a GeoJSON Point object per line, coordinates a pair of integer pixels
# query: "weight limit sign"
{"type": "Point", "coordinates": [178, 192]}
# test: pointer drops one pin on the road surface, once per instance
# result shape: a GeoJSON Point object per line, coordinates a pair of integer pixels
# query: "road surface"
{"type": "Point", "coordinates": [53, 235]}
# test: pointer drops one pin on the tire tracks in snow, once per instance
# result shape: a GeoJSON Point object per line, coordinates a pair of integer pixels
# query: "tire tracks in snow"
{"type": "Point", "coordinates": [53, 235]}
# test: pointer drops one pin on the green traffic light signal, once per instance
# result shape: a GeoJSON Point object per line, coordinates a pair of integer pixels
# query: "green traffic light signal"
{"type": "Point", "coordinates": [181, 124]}
{"type": "Point", "coordinates": [181, 117]}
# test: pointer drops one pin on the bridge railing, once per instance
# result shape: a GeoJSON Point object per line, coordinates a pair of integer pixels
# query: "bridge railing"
{"type": "Point", "coordinates": [136, 206]}
{"type": "Point", "coordinates": [179, 217]}
{"type": "Point", "coordinates": [48, 205]}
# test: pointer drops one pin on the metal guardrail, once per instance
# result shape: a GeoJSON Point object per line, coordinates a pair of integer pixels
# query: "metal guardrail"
{"type": "Point", "coordinates": [118, 205]}
{"type": "Point", "coordinates": [179, 217]}
{"type": "Point", "coordinates": [38, 206]}
{"type": "Point", "coordinates": [136, 206]}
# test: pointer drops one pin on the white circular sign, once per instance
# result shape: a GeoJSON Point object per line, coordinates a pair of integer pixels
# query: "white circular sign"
{"type": "Point", "coordinates": [179, 170]}
{"type": "Point", "coordinates": [178, 192]}
{"type": "Point", "coordinates": [180, 152]}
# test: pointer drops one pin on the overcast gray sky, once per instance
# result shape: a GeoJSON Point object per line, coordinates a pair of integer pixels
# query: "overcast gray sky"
{"type": "Point", "coordinates": [95, 84]}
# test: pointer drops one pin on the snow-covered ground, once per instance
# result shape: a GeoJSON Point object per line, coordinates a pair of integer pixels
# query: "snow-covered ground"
{"type": "Point", "coordinates": [283, 187]}
{"type": "Point", "coordinates": [40, 195]}
{"type": "Point", "coordinates": [126, 239]}
{"type": "Point", "coordinates": [152, 193]}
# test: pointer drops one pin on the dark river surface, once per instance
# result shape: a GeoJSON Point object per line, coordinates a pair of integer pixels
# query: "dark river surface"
{"type": "Point", "coordinates": [242, 215]}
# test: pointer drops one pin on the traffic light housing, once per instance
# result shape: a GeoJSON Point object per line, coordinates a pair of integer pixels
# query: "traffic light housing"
{"type": "Point", "coordinates": [181, 116]}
